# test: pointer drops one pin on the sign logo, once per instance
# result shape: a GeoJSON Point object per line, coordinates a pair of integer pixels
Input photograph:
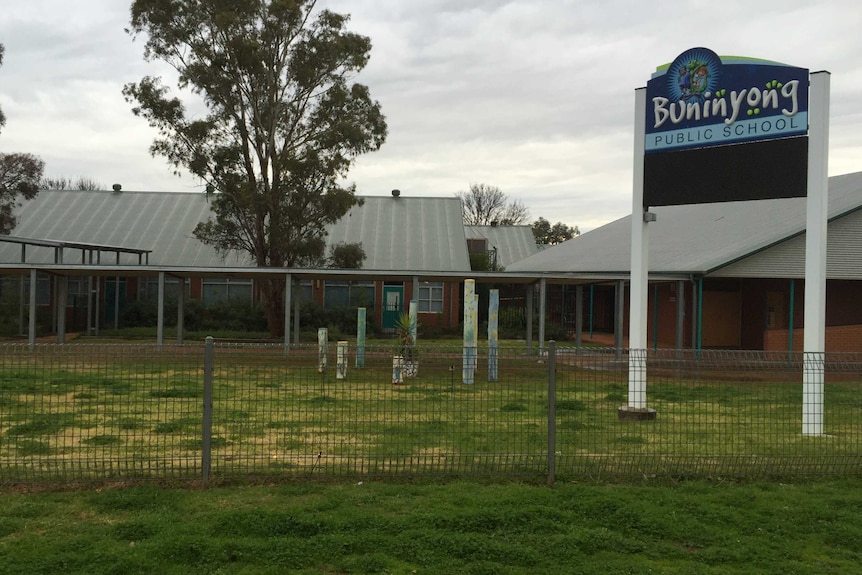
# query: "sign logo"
{"type": "Point", "coordinates": [702, 100]}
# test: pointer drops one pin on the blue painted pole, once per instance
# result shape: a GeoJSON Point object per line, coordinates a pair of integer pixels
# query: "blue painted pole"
{"type": "Point", "coordinates": [413, 314]}
{"type": "Point", "coordinates": [360, 337]}
{"type": "Point", "coordinates": [470, 340]}
{"type": "Point", "coordinates": [493, 333]}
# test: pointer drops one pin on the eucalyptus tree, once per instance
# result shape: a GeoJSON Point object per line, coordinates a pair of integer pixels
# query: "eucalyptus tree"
{"type": "Point", "coordinates": [551, 235]}
{"type": "Point", "coordinates": [284, 120]}
{"type": "Point", "coordinates": [20, 175]}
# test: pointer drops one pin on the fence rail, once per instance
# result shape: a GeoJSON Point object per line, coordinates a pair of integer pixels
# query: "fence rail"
{"type": "Point", "coordinates": [104, 412]}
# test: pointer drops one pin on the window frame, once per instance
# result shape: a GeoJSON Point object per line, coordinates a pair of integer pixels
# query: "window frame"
{"type": "Point", "coordinates": [431, 295]}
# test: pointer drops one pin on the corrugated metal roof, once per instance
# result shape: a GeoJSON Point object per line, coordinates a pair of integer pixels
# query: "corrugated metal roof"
{"type": "Point", "coordinates": [513, 243]}
{"type": "Point", "coordinates": [155, 221]}
{"type": "Point", "coordinates": [697, 238]}
{"type": "Point", "coordinates": [397, 234]}
{"type": "Point", "coordinates": [406, 233]}
{"type": "Point", "coordinates": [787, 259]}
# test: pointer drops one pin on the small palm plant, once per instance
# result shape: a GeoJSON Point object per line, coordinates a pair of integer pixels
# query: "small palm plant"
{"type": "Point", "coordinates": [406, 342]}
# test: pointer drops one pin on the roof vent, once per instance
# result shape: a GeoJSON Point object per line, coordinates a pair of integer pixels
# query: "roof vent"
{"type": "Point", "coordinates": [396, 193]}
{"type": "Point", "coordinates": [117, 187]}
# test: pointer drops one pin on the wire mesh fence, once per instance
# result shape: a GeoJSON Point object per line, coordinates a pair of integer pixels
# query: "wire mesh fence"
{"type": "Point", "coordinates": [716, 413]}
{"type": "Point", "coordinates": [96, 411]}
{"type": "Point", "coordinates": [82, 411]}
{"type": "Point", "coordinates": [287, 414]}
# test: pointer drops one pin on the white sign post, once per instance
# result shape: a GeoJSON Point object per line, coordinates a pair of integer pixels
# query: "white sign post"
{"type": "Point", "coordinates": [814, 339]}
{"type": "Point", "coordinates": [637, 400]}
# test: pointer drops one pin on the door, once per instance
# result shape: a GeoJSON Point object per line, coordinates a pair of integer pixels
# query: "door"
{"type": "Point", "coordinates": [393, 296]}
{"type": "Point", "coordinates": [776, 316]}
{"type": "Point", "coordinates": [722, 319]}
{"type": "Point", "coordinates": [111, 303]}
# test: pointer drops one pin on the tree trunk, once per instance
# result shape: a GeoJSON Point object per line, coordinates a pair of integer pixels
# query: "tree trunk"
{"type": "Point", "coordinates": [272, 292]}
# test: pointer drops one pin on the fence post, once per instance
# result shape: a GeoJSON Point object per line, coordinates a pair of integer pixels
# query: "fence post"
{"type": "Point", "coordinates": [207, 429]}
{"type": "Point", "coordinates": [552, 411]}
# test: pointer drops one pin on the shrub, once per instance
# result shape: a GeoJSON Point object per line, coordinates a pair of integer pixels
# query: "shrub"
{"type": "Point", "coordinates": [230, 315]}
{"type": "Point", "coordinates": [340, 320]}
{"type": "Point", "coordinates": [10, 313]}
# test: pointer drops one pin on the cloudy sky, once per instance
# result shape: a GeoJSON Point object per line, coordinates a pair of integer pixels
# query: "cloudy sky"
{"type": "Point", "coordinates": [533, 96]}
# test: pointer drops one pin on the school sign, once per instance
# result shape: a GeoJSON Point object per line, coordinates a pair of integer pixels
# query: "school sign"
{"type": "Point", "coordinates": [703, 100]}
{"type": "Point", "coordinates": [712, 129]}
{"type": "Point", "coordinates": [750, 114]}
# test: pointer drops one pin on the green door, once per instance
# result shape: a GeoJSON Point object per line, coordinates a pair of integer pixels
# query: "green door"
{"type": "Point", "coordinates": [111, 299]}
{"type": "Point", "coordinates": [393, 296]}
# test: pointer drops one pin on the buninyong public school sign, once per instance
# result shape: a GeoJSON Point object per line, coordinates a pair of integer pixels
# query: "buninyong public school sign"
{"type": "Point", "coordinates": [749, 113]}
{"type": "Point", "coordinates": [722, 129]}
{"type": "Point", "coordinates": [704, 100]}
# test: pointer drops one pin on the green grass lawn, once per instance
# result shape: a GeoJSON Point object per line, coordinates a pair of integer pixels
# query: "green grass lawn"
{"type": "Point", "coordinates": [458, 527]}
{"type": "Point", "coordinates": [135, 411]}
{"type": "Point", "coordinates": [127, 412]}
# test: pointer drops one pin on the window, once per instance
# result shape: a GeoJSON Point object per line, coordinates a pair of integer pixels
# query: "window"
{"type": "Point", "coordinates": [224, 289]}
{"type": "Point", "coordinates": [77, 286]}
{"type": "Point", "coordinates": [477, 245]}
{"type": "Point", "coordinates": [335, 294]}
{"type": "Point", "coordinates": [12, 286]}
{"type": "Point", "coordinates": [305, 290]}
{"type": "Point", "coordinates": [148, 287]}
{"type": "Point", "coordinates": [348, 294]}
{"type": "Point", "coordinates": [430, 297]}
{"type": "Point", "coordinates": [76, 291]}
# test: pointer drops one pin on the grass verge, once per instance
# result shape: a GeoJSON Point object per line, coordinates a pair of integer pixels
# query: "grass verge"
{"type": "Point", "coordinates": [459, 527]}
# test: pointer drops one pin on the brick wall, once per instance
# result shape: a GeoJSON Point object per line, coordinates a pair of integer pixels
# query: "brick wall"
{"type": "Point", "coordinates": [838, 338]}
